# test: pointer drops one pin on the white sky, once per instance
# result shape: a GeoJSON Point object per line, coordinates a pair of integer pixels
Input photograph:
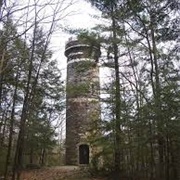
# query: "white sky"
{"type": "Point", "coordinates": [72, 14]}
{"type": "Point", "coordinates": [80, 18]}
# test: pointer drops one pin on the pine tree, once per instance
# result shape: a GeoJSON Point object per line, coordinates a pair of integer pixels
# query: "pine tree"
{"type": "Point", "coordinates": [148, 67]}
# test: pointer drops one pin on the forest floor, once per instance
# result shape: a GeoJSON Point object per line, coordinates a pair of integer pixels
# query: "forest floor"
{"type": "Point", "coordinates": [57, 173]}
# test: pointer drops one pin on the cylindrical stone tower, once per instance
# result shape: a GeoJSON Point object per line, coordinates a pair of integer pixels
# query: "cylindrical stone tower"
{"type": "Point", "coordinates": [82, 99]}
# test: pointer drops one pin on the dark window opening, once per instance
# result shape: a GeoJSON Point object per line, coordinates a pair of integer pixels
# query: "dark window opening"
{"type": "Point", "coordinates": [83, 154]}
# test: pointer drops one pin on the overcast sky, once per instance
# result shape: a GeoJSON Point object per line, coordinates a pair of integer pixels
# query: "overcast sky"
{"type": "Point", "coordinates": [72, 14]}
{"type": "Point", "coordinates": [81, 17]}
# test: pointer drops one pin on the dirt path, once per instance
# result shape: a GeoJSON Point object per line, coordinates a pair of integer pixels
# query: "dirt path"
{"type": "Point", "coordinates": [57, 173]}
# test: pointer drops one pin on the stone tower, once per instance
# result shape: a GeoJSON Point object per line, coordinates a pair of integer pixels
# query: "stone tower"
{"type": "Point", "coordinates": [82, 99]}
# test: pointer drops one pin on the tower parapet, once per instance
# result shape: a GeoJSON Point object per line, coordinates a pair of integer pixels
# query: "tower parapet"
{"type": "Point", "coordinates": [82, 99]}
{"type": "Point", "coordinates": [78, 49]}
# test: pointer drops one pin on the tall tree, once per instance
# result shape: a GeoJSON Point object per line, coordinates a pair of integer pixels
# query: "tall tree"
{"type": "Point", "coordinates": [144, 31]}
{"type": "Point", "coordinates": [109, 10]}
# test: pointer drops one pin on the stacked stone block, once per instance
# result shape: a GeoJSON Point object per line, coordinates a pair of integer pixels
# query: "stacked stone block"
{"type": "Point", "coordinates": [82, 96]}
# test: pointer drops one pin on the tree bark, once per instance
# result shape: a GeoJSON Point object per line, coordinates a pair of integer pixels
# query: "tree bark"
{"type": "Point", "coordinates": [11, 129]}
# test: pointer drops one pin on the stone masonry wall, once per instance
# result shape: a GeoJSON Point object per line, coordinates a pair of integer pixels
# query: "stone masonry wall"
{"type": "Point", "coordinates": [82, 95]}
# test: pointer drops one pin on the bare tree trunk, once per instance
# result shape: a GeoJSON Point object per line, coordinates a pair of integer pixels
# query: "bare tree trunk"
{"type": "Point", "coordinates": [43, 157]}
{"type": "Point", "coordinates": [157, 95]}
{"type": "Point", "coordinates": [11, 129]}
{"type": "Point", "coordinates": [31, 156]}
{"type": "Point", "coordinates": [4, 126]}
{"type": "Point", "coordinates": [20, 142]}
{"type": "Point", "coordinates": [117, 157]}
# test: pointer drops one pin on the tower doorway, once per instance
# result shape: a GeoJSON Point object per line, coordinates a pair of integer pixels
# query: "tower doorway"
{"type": "Point", "coordinates": [83, 154]}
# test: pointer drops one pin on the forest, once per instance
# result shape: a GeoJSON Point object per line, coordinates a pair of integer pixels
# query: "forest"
{"type": "Point", "coordinates": [140, 93]}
